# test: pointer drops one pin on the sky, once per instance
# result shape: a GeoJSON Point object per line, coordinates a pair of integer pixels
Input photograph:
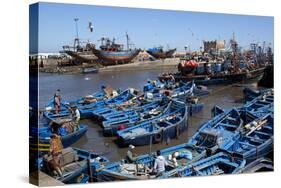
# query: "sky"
{"type": "Point", "coordinates": [146, 27]}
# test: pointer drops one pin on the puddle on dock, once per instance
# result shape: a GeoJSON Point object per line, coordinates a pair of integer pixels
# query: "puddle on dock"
{"type": "Point", "coordinates": [75, 86]}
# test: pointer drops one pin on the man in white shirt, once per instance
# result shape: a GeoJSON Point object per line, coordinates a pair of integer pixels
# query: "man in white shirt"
{"type": "Point", "coordinates": [76, 116]}
{"type": "Point", "coordinates": [159, 164]}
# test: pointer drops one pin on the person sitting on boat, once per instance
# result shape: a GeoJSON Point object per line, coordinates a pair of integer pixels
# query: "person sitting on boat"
{"type": "Point", "coordinates": [173, 159]}
{"type": "Point", "coordinates": [57, 101]}
{"type": "Point", "coordinates": [159, 164]}
{"type": "Point", "coordinates": [56, 148]}
{"type": "Point", "coordinates": [131, 158]}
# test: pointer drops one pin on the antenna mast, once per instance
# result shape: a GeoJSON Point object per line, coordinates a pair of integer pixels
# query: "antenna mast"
{"type": "Point", "coordinates": [127, 38]}
{"type": "Point", "coordinates": [76, 40]}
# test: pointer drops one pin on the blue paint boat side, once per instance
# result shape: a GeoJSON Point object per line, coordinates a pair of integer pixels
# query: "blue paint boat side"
{"type": "Point", "coordinates": [159, 130]}
{"type": "Point", "coordinates": [113, 171]}
{"type": "Point", "coordinates": [67, 140]}
{"type": "Point", "coordinates": [220, 163]}
{"type": "Point", "coordinates": [254, 144]}
{"type": "Point", "coordinates": [221, 131]}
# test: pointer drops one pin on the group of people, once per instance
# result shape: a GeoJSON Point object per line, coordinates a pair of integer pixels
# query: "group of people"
{"type": "Point", "coordinates": [73, 109]}
{"type": "Point", "coordinates": [160, 162]}
{"type": "Point", "coordinates": [59, 130]}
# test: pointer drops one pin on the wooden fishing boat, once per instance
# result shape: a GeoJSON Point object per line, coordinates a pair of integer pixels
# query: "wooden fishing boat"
{"type": "Point", "coordinates": [98, 98]}
{"type": "Point", "coordinates": [218, 164]}
{"type": "Point", "coordinates": [159, 53]}
{"type": "Point", "coordinates": [44, 134]}
{"type": "Point", "coordinates": [75, 163]}
{"type": "Point", "coordinates": [133, 116]}
{"type": "Point", "coordinates": [115, 57]}
{"type": "Point", "coordinates": [250, 94]}
{"type": "Point", "coordinates": [86, 102]}
{"type": "Point", "coordinates": [255, 141]}
{"type": "Point", "coordinates": [111, 53]}
{"type": "Point", "coordinates": [262, 104]}
{"type": "Point", "coordinates": [110, 104]}
{"type": "Point", "coordinates": [86, 109]}
{"type": "Point", "coordinates": [168, 126]}
{"type": "Point", "coordinates": [141, 169]}
{"type": "Point", "coordinates": [221, 131]}
{"type": "Point", "coordinates": [259, 165]}
{"type": "Point", "coordinates": [215, 79]}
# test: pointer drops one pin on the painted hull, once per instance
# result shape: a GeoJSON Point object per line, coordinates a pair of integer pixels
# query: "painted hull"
{"type": "Point", "coordinates": [115, 58]}
{"type": "Point", "coordinates": [218, 164]}
{"type": "Point", "coordinates": [214, 80]}
{"type": "Point", "coordinates": [75, 169]}
{"type": "Point", "coordinates": [156, 131]}
{"type": "Point", "coordinates": [256, 144]}
{"type": "Point", "coordinates": [81, 56]}
{"type": "Point", "coordinates": [113, 172]}
{"type": "Point", "coordinates": [224, 126]}
{"type": "Point", "coordinates": [161, 55]}
{"type": "Point", "coordinates": [67, 140]}
{"type": "Point", "coordinates": [133, 117]}
{"type": "Point", "coordinates": [262, 104]}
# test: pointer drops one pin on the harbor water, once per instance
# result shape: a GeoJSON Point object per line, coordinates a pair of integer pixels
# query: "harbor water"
{"type": "Point", "coordinates": [74, 86]}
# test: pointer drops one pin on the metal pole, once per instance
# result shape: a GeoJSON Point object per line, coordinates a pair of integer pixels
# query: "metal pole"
{"type": "Point", "coordinates": [76, 26]}
{"type": "Point", "coordinates": [127, 37]}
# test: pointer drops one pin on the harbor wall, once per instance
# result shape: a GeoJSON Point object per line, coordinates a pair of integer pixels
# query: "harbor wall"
{"type": "Point", "coordinates": [51, 66]}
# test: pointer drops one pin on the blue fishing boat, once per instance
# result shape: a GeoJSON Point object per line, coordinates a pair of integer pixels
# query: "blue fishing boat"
{"type": "Point", "coordinates": [218, 164]}
{"type": "Point", "coordinates": [159, 53]}
{"type": "Point", "coordinates": [256, 139]}
{"type": "Point", "coordinates": [259, 165]}
{"type": "Point", "coordinates": [44, 134]}
{"type": "Point", "coordinates": [109, 105]}
{"type": "Point", "coordinates": [64, 114]}
{"type": "Point", "coordinates": [141, 168]}
{"type": "Point", "coordinates": [221, 131]}
{"type": "Point", "coordinates": [74, 164]}
{"type": "Point", "coordinates": [168, 126]}
{"type": "Point", "coordinates": [262, 104]}
{"type": "Point", "coordinates": [86, 109]}
{"type": "Point", "coordinates": [151, 84]}
{"type": "Point", "coordinates": [250, 94]}
{"type": "Point", "coordinates": [83, 103]}
{"type": "Point", "coordinates": [128, 118]}
{"type": "Point", "coordinates": [179, 91]}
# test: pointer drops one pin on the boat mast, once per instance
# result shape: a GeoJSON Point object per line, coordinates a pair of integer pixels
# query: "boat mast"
{"type": "Point", "coordinates": [76, 40]}
{"type": "Point", "coordinates": [127, 38]}
{"type": "Point", "coordinates": [234, 47]}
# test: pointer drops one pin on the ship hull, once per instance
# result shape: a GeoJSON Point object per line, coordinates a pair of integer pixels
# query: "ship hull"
{"type": "Point", "coordinates": [162, 55]}
{"type": "Point", "coordinates": [81, 56]}
{"type": "Point", "coordinates": [214, 80]}
{"type": "Point", "coordinates": [115, 58]}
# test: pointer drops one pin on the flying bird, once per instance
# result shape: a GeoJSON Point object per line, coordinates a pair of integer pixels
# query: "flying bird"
{"type": "Point", "coordinates": [91, 27]}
